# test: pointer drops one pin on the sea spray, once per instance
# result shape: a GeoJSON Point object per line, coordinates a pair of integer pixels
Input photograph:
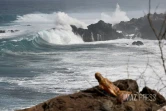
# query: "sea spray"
{"type": "Point", "coordinates": [115, 17]}
{"type": "Point", "coordinates": [36, 18]}
{"type": "Point", "coordinates": [62, 33]}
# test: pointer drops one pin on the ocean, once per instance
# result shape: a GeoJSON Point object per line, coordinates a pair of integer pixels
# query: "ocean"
{"type": "Point", "coordinates": [38, 63]}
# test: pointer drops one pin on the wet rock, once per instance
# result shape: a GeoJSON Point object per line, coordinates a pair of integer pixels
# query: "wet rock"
{"type": "Point", "coordinates": [11, 31]}
{"type": "Point", "coordinates": [100, 31]}
{"type": "Point", "coordinates": [107, 105]}
{"type": "Point", "coordinates": [2, 31]}
{"type": "Point", "coordinates": [159, 98]}
{"type": "Point", "coordinates": [127, 85]}
{"type": "Point", "coordinates": [140, 106]}
{"type": "Point", "coordinates": [137, 43]}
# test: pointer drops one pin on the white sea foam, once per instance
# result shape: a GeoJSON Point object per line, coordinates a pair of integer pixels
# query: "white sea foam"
{"type": "Point", "coordinates": [78, 69]}
{"type": "Point", "coordinates": [62, 19]}
{"type": "Point", "coordinates": [36, 18]}
{"type": "Point", "coordinates": [119, 31]}
{"type": "Point", "coordinates": [52, 18]}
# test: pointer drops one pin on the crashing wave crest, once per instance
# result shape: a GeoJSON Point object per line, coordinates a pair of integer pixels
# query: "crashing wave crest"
{"type": "Point", "coordinates": [62, 33]}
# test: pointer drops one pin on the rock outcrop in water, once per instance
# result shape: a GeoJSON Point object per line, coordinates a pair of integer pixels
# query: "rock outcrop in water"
{"type": "Point", "coordinates": [6, 31]}
{"type": "Point", "coordinates": [100, 31]}
{"type": "Point", "coordinates": [140, 27]}
{"type": "Point", "coordinates": [137, 43]}
{"type": "Point", "coordinates": [94, 99]}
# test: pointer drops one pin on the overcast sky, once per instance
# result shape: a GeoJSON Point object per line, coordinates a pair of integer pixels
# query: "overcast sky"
{"type": "Point", "coordinates": [29, 6]}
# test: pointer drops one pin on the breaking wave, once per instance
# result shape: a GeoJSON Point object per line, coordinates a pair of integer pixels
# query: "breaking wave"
{"type": "Point", "coordinates": [38, 30]}
{"type": "Point", "coordinates": [55, 18]}
{"type": "Point", "coordinates": [61, 34]}
{"type": "Point", "coordinates": [43, 41]}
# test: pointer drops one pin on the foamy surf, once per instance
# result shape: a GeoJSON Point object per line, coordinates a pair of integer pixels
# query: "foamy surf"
{"type": "Point", "coordinates": [73, 70]}
{"type": "Point", "coordinates": [45, 58]}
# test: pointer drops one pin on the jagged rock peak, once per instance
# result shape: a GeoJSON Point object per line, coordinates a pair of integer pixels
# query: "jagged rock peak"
{"type": "Point", "coordinates": [100, 24]}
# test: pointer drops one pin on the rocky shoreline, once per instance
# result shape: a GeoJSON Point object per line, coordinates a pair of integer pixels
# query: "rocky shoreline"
{"type": "Point", "coordinates": [134, 28]}
{"type": "Point", "coordinates": [95, 99]}
{"type": "Point", "coordinates": [140, 27]}
{"type": "Point", "coordinates": [102, 31]}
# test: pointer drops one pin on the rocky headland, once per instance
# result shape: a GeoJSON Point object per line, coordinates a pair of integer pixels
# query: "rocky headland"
{"type": "Point", "coordinates": [95, 99]}
{"type": "Point", "coordinates": [100, 31]}
{"type": "Point", "coordinates": [140, 27]}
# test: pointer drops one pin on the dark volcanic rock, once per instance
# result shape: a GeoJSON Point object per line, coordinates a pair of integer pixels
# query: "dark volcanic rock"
{"type": "Point", "coordinates": [137, 43]}
{"type": "Point", "coordinates": [11, 31]}
{"type": "Point", "coordinates": [127, 85]}
{"type": "Point", "coordinates": [100, 31]}
{"type": "Point", "coordinates": [159, 98]}
{"type": "Point", "coordinates": [140, 27]}
{"type": "Point", "coordinates": [2, 31]}
{"type": "Point", "coordinates": [95, 99]}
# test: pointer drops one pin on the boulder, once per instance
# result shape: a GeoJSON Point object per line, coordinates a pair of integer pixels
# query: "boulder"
{"type": "Point", "coordinates": [127, 85]}
{"type": "Point", "coordinates": [159, 98]}
{"type": "Point", "coordinates": [13, 31]}
{"type": "Point", "coordinates": [137, 43]}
